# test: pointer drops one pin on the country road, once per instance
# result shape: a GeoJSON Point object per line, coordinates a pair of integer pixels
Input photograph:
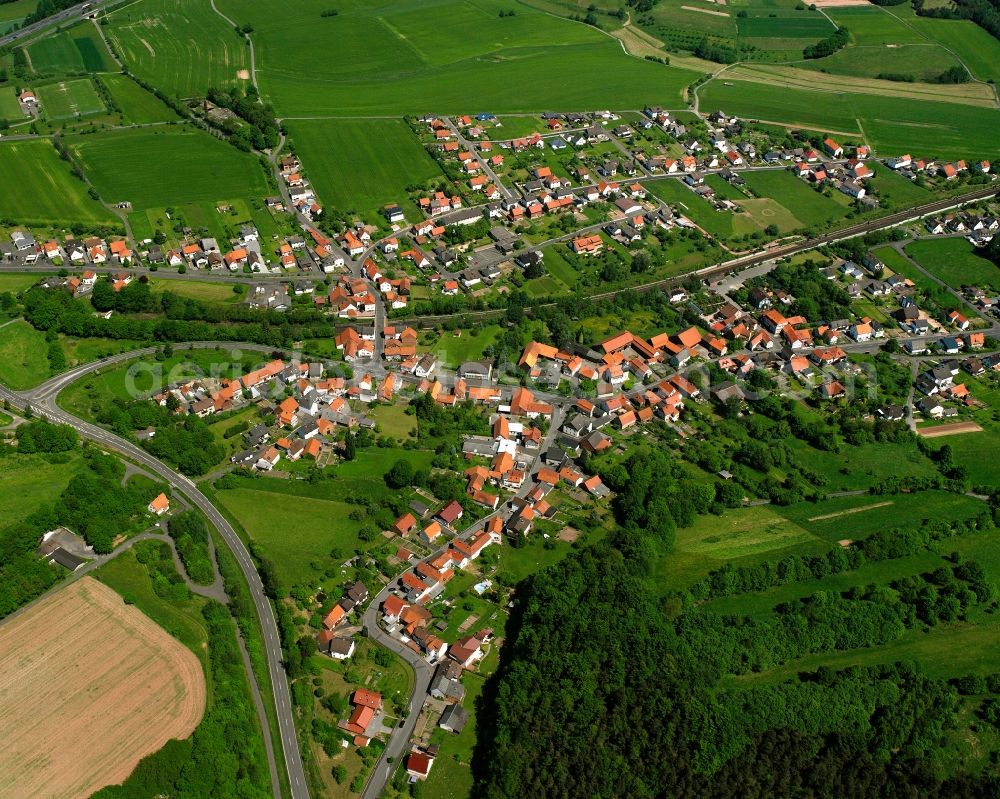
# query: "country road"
{"type": "Point", "coordinates": [43, 401]}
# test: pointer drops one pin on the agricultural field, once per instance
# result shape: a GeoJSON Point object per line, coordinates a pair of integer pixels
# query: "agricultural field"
{"type": "Point", "coordinates": [956, 262]}
{"type": "Point", "coordinates": [136, 104]}
{"type": "Point", "coordinates": [177, 165]}
{"type": "Point", "coordinates": [397, 59]}
{"type": "Point", "coordinates": [180, 46]}
{"type": "Point", "coordinates": [979, 51]}
{"type": "Point", "coordinates": [363, 165]}
{"type": "Point", "coordinates": [871, 25]}
{"type": "Point", "coordinates": [94, 717]}
{"type": "Point", "coordinates": [890, 124]}
{"type": "Point", "coordinates": [76, 49]}
{"type": "Point", "coordinates": [48, 193]}
{"type": "Point", "coordinates": [70, 99]}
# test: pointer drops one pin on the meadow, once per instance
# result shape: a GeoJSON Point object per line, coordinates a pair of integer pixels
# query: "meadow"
{"type": "Point", "coordinates": [454, 350]}
{"type": "Point", "coordinates": [24, 361]}
{"type": "Point", "coordinates": [153, 168]}
{"type": "Point", "coordinates": [979, 51]}
{"type": "Point", "coordinates": [955, 261]}
{"type": "Point", "coordinates": [895, 191]}
{"type": "Point", "coordinates": [70, 99]}
{"type": "Point", "coordinates": [869, 25]}
{"type": "Point", "coordinates": [76, 49]}
{"type": "Point", "coordinates": [48, 193]}
{"type": "Point", "coordinates": [28, 482]}
{"type": "Point", "coordinates": [181, 46]}
{"type": "Point", "coordinates": [394, 59]}
{"type": "Point", "coordinates": [136, 104]}
{"type": "Point", "coordinates": [10, 108]}
{"type": "Point", "coordinates": [921, 62]}
{"type": "Point", "coordinates": [362, 165]}
{"type": "Point", "coordinates": [297, 525]}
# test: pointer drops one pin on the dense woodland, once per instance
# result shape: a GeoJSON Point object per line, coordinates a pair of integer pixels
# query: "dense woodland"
{"type": "Point", "coordinates": [604, 692]}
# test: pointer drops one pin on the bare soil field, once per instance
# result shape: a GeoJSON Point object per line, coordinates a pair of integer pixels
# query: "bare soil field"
{"type": "Point", "coordinates": [951, 429]}
{"type": "Point", "coordinates": [88, 687]}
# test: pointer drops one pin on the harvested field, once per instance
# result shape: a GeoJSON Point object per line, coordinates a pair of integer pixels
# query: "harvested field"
{"type": "Point", "coordinates": [88, 687]}
{"type": "Point", "coordinates": [950, 429]}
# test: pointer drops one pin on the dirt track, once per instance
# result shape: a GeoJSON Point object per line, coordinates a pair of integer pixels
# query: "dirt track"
{"type": "Point", "coordinates": [88, 687]}
{"type": "Point", "coordinates": [951, 429]}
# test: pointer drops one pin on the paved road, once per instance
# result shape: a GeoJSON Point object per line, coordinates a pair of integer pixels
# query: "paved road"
{"type": "Point", "coordinates": [43, 400]}
{"type": "Point", "coordinates": [399, 740]}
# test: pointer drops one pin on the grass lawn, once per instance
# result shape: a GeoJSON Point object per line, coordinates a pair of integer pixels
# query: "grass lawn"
{"type": "Point", "coordinates": [70, 99]}
{"type": "Point", "coordinates": [298, 524]}
{"type": "Point", "coordinates": [182, 46]}
{"type": "Point", "coordinates": [977, 451]}
{"type": "Point", "coordinates": [15, 283]}
{"type": "Point", "coordinates": [48, 193]}
{"type": "Point", "coordinates": [721, 224]}
{"type": "Point", "coordinates": [27, 482]}
{"type": "Point", "coordinates": [138, 105]}
{"type": "Point", "coordinates": [85, 350]}
{"type": "Point", "coordinates": [810, 207]}
{"type": "Point", "coordinates": [24, 361]}
{"type": "Point", "coordinates": [164, 167]}
{"type": "Point", "coordinates": [895, 191]}
{"type": "Point", "coordinates": [921, 62]}
{"type": "Point", "coordinates": [293, 531]}
{"type": "Point", "coordinates": [220, 293]}
{"type": "Point", "coordinates": [470, 346]}
{"type": "Point", "coordinates": [10, 108]}
{"type": "Point", "coordinates": [956, 262]}
{"type": "Point", "coordinates": [394, 421]}
{"type": "Point", "coordinates": [77, 49]}
{"type": "Point", "coordinates": [181, 618]}
{"type": "Point", "coordinates": [451, 777]}
{"type": "Point", "coordinates": [396, 58]}
{"type": "Point", "coordinates": [362, 165]}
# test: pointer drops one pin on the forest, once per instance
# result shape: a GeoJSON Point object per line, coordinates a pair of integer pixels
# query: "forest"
{"type": "Point", "coordinates": [600, 693]}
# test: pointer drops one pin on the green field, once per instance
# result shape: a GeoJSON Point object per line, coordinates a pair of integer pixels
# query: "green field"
{"type": "Point", "coordinates": [810, 207]}
{"type": "Point", "coordinates": [870, 25]}
{"type": "Point", "coordinates": [445, 55]}
{"type": "Point", "coordinates": [979, 51]}
{"type": "Point", "coordinates": [13, 13]}
{"type": "Point", "coordinates": [394, 421]}
{"type": "Point", "coordinates": [27, 482]}
{"type": "Point", "coordinates": [891, 124]}
{"type": "Point", "coordinates": [138, 105]}
{"type": "Point", "coordinates": [921, 62]}
{"type": "Point", "coordinates": [298, 525]}
{"type": "Point", "coordinates": [10, 108]}
{"type": "Point", "coordinates": [895, 191]}
{"type": "Point", "coordinates": [956, 262]}
{"type": "Point", "coordinates": [14, 282]}
{"type": "Point", "coordinates": [221, 293]}
{"type": "Point", "coordinates": [153, 168]}
{"type": "Point", "coordinates": [76, 49]}
{"type": "Point", "coordinates": [181, 46]}
{"type": "Point", "coordinates": [70, 99]}
{"type": "Point", "coordinates": [48, 193]}
{"type": "Point", "coordinates": [363, 165]}
{"type": "Point", "coordinates": [454, 350]}
{"type": "Point", "coordinates": [24, 361]}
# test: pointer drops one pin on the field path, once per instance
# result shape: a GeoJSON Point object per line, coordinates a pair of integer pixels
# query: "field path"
{"type": "Point", "coordinates": [253, 57]}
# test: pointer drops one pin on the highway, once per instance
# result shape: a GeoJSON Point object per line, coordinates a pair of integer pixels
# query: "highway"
{"type": "Point", "coordinates": [73, 12]}
{"type": "Point", "coordinates": [43, 401]}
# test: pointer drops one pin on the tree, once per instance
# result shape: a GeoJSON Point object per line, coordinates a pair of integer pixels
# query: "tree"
{"type": "Point", "coordinates": [400, 475]}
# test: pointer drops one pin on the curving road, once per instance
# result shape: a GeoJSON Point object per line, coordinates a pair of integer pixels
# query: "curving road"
{"type": "Point", "coordinates": [43, 400]}
{"type": "Point", "coordinates": [74, 12]}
